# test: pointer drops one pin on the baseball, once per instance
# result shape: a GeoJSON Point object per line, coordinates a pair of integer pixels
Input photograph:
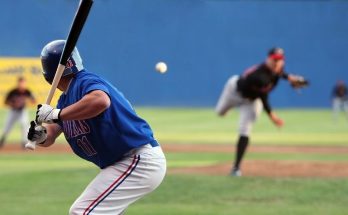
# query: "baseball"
{"type": "Point", "coordinates": [161, 67]}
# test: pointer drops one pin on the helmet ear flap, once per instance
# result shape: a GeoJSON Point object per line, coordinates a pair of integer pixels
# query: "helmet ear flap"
{"type": "Point", "coordinates": [50, 57]}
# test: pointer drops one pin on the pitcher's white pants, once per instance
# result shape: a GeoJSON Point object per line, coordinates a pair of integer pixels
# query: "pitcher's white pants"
{"type": "Point", "coordinates": [121, 184]}
{"type": "Point", "coordinates": [249, 109]}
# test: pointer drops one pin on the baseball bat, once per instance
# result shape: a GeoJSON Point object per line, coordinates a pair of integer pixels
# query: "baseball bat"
{"type": "Point", "coordinates": [74, 34]}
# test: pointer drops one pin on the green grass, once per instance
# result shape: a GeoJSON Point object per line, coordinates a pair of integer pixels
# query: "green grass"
{"type": "Point", "coordinates": [310, 127]}
{"type": "Point", "coordinates": [32, 183]}
{"type": "Point", "coordinates": [223, 195]}
{"type": "Point", "coordinates": [201, 125]}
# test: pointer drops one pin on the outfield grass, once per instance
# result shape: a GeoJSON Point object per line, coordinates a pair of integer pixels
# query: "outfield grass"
{"type": "Point", "coordinates": [310, 127]}
{"type": "Point", "coordinates": [201, 125]}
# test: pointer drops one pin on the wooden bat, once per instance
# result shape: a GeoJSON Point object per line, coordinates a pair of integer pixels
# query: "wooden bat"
{"type": "Point", "coordinates": [74, 34]}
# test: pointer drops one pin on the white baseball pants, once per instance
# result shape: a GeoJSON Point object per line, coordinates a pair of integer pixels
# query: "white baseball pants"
{"type": "Point", "coordinates": [12, 118]}
{"type": "Point", "coordinates": [339, 104]}
{"type": "Point", "coordinates": [121, 184]}
{"type": "Point", "coordinates": [249, 109]}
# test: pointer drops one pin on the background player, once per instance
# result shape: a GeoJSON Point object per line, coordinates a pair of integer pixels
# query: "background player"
{"type": "Point", "coordinates": [250, 92]}
{"type": "Point", "coordinates": [16, 100]}
{"type": "Point", "coordinates": [101, 126]}
{"type": "Point", "coordinates": [339, 99]}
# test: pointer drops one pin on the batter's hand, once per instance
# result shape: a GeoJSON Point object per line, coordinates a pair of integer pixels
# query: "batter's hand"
{"type": "Point", "coordinates": [46, 113]}
{"type": "Point", "coordinates": [37, 133]}
{"type": "Point", "coordinates": [276, 120]}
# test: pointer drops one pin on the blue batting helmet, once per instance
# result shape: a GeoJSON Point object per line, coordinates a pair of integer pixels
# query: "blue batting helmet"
{"type": "Point", "coordinates": [50, 56]}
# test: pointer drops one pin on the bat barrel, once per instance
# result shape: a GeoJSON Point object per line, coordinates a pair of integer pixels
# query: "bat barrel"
{"type": "Point", "coordinates": [75, 30]}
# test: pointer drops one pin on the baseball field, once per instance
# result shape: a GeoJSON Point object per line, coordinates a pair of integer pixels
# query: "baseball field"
{"type": "Point", "coordinates": [299, 169]}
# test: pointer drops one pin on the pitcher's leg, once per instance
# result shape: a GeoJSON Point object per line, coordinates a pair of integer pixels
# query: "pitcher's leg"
{"type": "Point", "coordinates": [229, 97]}
{"type": "Point", "coordinates": [249, 112]}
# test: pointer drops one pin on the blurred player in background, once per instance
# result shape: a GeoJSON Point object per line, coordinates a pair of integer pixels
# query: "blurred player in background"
{"type": "Point", "coordinates": [102, 127]}
{"type": "Point", "coordinates": [250, 92]}
{"type": "Point", "coordinates": [339, 99]}
{"type": "Point", "coordinates": [16, 100]}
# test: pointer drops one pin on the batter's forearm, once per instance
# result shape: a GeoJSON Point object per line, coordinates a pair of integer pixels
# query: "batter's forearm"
{"type": "Point", "coordinates": [53, 131]}
{"type": "Point", "coordinates": [46, 143]}
{"type": "Point", "coordinates": [88, 107]}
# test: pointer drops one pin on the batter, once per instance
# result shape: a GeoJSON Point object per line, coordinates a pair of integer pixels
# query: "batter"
{"type": "Point", "coordinates": [101, 126]}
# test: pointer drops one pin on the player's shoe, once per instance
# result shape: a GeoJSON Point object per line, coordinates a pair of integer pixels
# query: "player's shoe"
{"type": "Point", "coordinates": [236, 172]}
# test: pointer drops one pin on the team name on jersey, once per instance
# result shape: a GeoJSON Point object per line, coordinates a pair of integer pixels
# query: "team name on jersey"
{"type": "Point", "coordinates": [75, 128]}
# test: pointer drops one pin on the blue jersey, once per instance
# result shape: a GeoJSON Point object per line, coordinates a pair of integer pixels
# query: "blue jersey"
{"type": "Point", "coordinates": [106, 138]}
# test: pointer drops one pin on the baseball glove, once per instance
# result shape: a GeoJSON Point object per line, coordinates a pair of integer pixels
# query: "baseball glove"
{"type": "Point", "coordinates": [299, 82]}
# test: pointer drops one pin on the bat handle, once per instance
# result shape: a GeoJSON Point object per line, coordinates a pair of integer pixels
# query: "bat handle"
{"type": "Point", "coordinates": [55, 82]}
{"type": "Point", "coordinates": [31, 145]}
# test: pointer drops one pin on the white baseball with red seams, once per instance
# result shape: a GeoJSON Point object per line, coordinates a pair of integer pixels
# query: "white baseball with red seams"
{"type": "Point", "coordinates": [161, 67]}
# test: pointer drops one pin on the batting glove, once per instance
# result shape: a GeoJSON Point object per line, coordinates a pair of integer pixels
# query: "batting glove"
{"type": "Point", "coordinates": [37, 133]}
{"type": "Point", "coordinates": [46, 113]}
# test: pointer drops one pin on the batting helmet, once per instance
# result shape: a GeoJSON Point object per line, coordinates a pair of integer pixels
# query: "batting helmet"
{"type": "Point", "coordinates": [50, 56]}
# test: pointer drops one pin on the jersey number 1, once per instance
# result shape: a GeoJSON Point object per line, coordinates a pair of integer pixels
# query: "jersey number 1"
{"type": "Point", "coordinates": [86, 146]}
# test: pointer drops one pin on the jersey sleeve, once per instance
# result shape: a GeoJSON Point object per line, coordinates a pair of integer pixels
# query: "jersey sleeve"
{"type": "Point", "coordinates": [284, 75]}
{"type": "Point", "coordinates": [265, 102]}
{"type": "Point", "coordinates": [90, 85]}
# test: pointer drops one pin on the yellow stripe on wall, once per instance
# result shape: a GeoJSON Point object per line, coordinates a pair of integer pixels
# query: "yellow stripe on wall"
{"type": "Point", "coordinates": [30, 69]}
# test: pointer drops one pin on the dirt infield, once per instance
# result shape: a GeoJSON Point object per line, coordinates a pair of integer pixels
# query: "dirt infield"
{"type": "Point", "coordinates": [274, 169]}
{"type": "Point", "coordinates": [255, 148]}
{"type": "Point", "coordinates": [16, 149]}
{"type": "Point", "coordinates": [265, 168]}
{"type": "Point", "coordinates": [268, 168]}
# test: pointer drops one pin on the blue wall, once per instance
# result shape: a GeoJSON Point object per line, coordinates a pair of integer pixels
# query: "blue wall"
{"type": "Point", "coordinates": [202, 41]}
